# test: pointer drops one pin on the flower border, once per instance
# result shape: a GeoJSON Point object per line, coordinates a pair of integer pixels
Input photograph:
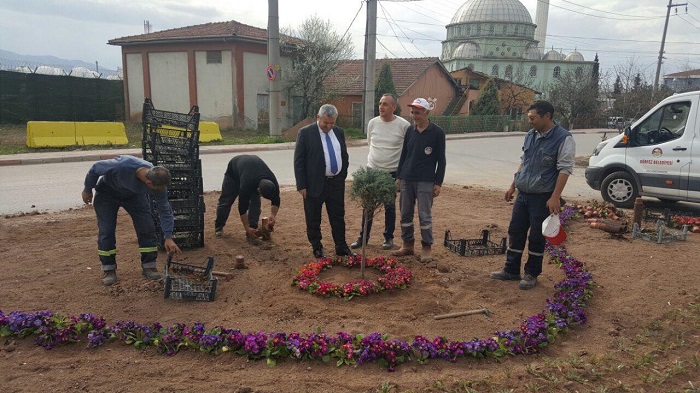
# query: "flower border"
{"type": "Point", "coordinates": [395, 276]}
{"type": "Point", "coordinates": [564, 309]}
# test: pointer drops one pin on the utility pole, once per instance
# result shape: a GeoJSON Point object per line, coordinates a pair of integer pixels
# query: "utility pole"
{"type": "Point", "coordinates": [663, 41]}
{"type": "Point", "coordinates": [273, 69]}
{"type": "Point", "coordinates": [370, 57]}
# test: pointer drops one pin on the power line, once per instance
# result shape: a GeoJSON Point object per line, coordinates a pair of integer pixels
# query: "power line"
{"type": "Point", "coordinates": [610, 12]}
{"type": "Point", "coordinates": [606, 17]}
{"type": "Point", "coordinates": [384, 11]}
{"type": "Point", "coordinates": [348, 29]}
{"type": "Point", "coordinates": [387, 49]}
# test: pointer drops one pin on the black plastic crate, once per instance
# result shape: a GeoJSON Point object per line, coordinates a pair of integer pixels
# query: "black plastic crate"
{"type": "Point", "coordinates": [155, 118]}
{"type": "Point", "coordinates": [190, 282]}
{"type": "Point", "coordinates": [475, 247]}
{"type": "Point", "coordinates": [166, 158]}
{"type": "Point", "coordinates": [189, 238]}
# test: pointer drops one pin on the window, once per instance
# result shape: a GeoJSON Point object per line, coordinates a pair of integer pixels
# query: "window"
{"type": "Point", "coordinates": [474, 84]}
{"type": "Point", "coordinates": [213, 57]}
{"type": "Point", "coordinates": [494, 70]}
{"type": "Point", "coordinates": [557, 72]}
{"type": "Point", "coordinates": [666, 124]}
{"type": "Point", "coordinates": [533, 71]}
{"type": "Point", "coordinates": [509, 71]}
{"type": "Point", "coordinates": [579, 72]}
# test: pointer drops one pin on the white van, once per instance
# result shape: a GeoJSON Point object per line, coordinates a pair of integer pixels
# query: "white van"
{"type": "Point", "coordinates": [653, 157]}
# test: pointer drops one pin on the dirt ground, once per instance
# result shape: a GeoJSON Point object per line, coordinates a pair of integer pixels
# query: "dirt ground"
{"type": "Point", "coordinates": [49, 262]}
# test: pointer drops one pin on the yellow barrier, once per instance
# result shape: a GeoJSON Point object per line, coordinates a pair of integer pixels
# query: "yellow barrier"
{"type": "Point", "coordinates": [68, 133]}
{"type": "Point", "coordinates": [100, 133]}
{"type": "Point", "coordinates": [209, 131]}
{"type": "Point", "coordinates": [50, 133]}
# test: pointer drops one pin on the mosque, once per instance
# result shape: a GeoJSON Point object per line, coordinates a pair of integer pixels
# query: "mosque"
{"type": "Point", "coordinates": [498, 38]}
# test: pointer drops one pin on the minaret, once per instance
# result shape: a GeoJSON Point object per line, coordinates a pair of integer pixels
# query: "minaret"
{"type": "Point", "coordinates": [541, 22]}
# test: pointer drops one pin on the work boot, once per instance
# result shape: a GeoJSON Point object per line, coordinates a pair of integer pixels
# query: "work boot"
{"type": "Point", "coordinates": [152, 273]}
{"type": "Point", "coordinates": [426, 254]}
{"type": "Point", "coordinates": [218, 232]}
{"type": "Point", "coordinates": [109, 277]}
{"type": "Point", "coordinates": [406, 249]}
{"type": "Point", "coordinates": [528, 282]}
{"type": "Point", "coordinates": [504, 276]}
{"type": "Point", "coordinates": [357, 244]}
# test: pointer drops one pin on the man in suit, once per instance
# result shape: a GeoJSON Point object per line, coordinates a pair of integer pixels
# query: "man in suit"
{"type": "Point", "coordinates": [320, 168]}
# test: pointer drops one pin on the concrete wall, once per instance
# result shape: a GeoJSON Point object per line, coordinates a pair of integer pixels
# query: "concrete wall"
{"type": "Point", "coordinates": [256, 82]}
{"type": "Point", "coordinates": [170, 89]}
{"type": "Point", "coordinates": [214, 88]}
{"type": "Point", "coordinates": [134, 85]}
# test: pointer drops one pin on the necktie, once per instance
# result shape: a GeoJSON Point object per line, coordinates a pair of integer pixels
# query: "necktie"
{"type": "Point", "coordinates": [331, 154]}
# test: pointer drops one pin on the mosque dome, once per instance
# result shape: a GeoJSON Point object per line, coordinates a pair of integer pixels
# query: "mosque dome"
{"type": "Point", "coordinates": [532, 53]}
{"type": "Point", "coordinates": [509, 11]}
{"type": "Point", "coordinates": [467, 50]}
{"type": "Point", "coordinates": [554, 55]}
{"type": "Point", "coordinates": [574, 56]}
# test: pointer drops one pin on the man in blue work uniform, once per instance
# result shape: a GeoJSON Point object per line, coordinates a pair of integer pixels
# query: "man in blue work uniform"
{"type": "Point", "coordinates": [545, 166]}
{"type": "Point", "coordinates": [125, 181]}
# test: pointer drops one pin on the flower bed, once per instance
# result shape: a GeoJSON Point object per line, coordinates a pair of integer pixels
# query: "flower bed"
{"type": "Point", "coordinates": [563, 310]}
{"type": "Point", "coordinates": [394, 276]}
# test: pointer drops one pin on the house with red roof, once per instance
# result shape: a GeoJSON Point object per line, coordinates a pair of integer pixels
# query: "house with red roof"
{"type": "Point", "coordinates": [221, 67]}
{"type": "Point", "coordinates": [417, 77]}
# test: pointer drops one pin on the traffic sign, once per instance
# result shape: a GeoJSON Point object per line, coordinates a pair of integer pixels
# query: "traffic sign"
{"type": "Point", "coordinates": [271, 73]}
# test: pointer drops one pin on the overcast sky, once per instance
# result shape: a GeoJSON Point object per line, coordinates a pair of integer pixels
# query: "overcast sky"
{"type": "Point", "coordinates": [619, 31]}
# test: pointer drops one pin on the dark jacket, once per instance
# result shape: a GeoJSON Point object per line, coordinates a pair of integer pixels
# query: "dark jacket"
{"type": "Point", "coordinates": [539, 172]}
{"type": "Point", "coordinates": [310, 163]}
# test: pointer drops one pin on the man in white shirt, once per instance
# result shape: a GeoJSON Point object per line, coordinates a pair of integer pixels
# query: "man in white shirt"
{"type": "Point", "coordinates": [385, 135]}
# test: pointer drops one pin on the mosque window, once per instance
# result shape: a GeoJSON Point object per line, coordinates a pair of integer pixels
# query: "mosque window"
{"type": "Point", "coordinates": [503, 53]}
{"type": "Point", "coordinates": [469, 30]}
{"type": "Point", "coordinates": [494, 70]}
{"type": "Point", "coordinates": [478, 29]}
{"type": "Point", "coordinates": [557, 72]}
{"type": "Point", "coordinates": [517, 30]}
{"type": "Point", "coordinates": [490, 29]}
{"type": "Point", "coordinates": [509, 71]}
{"type": "Point", "coordinates": [533, 71]}
{"type": "Point", "coordinates": [505, 29]}
{"type": "Point", "coordinates": [579, 72]}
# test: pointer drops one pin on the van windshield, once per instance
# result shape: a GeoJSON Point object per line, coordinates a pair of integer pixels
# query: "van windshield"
{"type": "Point", "coordinates": [665, 124]}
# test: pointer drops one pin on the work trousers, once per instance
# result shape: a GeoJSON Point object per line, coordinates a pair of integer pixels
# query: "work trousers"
{"type": "Point", "coordinates": [107, 202]}
{"type": "Point", "coordinates": [412, 192]}
{"type": "Point", "coordinates": [229, 193]}
{"type": "Point", "coordinates": [333, 196]}
{"type": "Point", "coordinates": [389, 219]}
{"type": "Point", "coordinates": [529, 210]}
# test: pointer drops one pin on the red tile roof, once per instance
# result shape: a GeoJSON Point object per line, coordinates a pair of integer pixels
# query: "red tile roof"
{"type": "Point", "coordinates": [214, 30]}
{"type": "Point", "coordinates": [347, 78]}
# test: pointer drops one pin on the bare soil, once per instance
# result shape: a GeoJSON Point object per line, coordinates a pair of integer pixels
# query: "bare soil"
{"type": "Point", "coordinates": [49, 261]}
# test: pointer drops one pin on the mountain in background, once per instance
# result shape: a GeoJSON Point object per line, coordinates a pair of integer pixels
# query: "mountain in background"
{"type": "Point", "coordinates": [10, 60]}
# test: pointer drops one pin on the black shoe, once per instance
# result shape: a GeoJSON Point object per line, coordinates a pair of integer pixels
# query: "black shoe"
{"type": "Point", "coordinates": [357, 244]}
{"type": "Point", "coordinates": [388, 244]}
{"type": "Point", "coordinates": [528, 282]}
{"type": "Point", "coordinates": [318, 253]}
{"type": "Point", "coordinates": [344, 252]}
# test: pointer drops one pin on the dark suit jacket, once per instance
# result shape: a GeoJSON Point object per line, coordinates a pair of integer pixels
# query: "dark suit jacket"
{"type": "Point", "coordinates": [310, 163]}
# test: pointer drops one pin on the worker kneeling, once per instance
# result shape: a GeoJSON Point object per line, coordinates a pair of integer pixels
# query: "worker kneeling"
{"type": "Point", "coordinates": [247, 178]}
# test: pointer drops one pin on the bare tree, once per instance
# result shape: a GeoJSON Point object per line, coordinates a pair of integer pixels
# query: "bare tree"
{"type": "Point", "coordinates": [315, 57]}
{"type": "Point", "coordinates": [575, 97]}
{"type": "Point", "coordinates": [515, 91]}
{"type": "Point", "coordinates": [636, 95]}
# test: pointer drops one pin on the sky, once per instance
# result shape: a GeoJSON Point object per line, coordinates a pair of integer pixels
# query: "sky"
{"type": "Point", "coordinates": [621, 32]}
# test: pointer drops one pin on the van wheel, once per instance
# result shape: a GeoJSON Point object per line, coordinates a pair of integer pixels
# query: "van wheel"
{"type": "Point", "coordinates": [620, 189]}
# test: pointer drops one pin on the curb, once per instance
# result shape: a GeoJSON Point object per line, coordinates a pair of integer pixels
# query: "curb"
{"type": "Point", "coordinates": [96, 155]}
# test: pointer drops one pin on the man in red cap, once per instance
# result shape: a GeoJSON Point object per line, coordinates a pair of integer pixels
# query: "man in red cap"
{"type": "Point", "coordinates": [419, 176]}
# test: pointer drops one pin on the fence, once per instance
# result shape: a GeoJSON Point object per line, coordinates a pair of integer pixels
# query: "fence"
{"type": "Point", "coordinates": [467, 124]}
{"type": "Point", "coordinates": [36, 97]}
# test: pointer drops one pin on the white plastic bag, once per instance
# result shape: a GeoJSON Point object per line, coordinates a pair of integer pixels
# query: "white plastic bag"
{"type": "Point", "coordinates": [551, 225]}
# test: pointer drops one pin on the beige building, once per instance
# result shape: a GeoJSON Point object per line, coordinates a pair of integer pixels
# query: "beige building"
{"type": "Point", "coordinates": [221, 67]}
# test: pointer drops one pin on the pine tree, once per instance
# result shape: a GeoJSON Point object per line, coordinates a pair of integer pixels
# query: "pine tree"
{"type": "Point", "coordinates": [488, 102]}
{"type": "Point", "coordinates": [385, 84]}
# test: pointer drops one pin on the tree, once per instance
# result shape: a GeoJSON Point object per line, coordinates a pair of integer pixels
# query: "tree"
{"type": "Point", "coordinates": [515, 92]}
{"type": "Point", "coordinates": [488, 102]}
{"type": "Point", "coordinates": [575, 98]}
{"type": "Point", "coordinates": [617, 87]}
{"type": "Point", "coordinates": [316, 52]}
{"type": "Point", "coordinates": [385, 84]}
{"type": "Point", "coordinates": [373, 189]}
{"type": "Point", "coordinates": [636, 96]}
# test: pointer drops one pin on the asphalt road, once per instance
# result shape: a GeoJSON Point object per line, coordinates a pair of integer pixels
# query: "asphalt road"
{"type": "Point", "coordinates": [487, 162]}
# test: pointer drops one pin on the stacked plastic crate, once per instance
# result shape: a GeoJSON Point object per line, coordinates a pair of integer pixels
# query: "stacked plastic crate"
{"type": "Point", "coordinates": [171, 139]}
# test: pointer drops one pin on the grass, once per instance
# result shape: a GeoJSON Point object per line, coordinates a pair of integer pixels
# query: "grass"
{"type": "Point", "coordinates": [13, 139]}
